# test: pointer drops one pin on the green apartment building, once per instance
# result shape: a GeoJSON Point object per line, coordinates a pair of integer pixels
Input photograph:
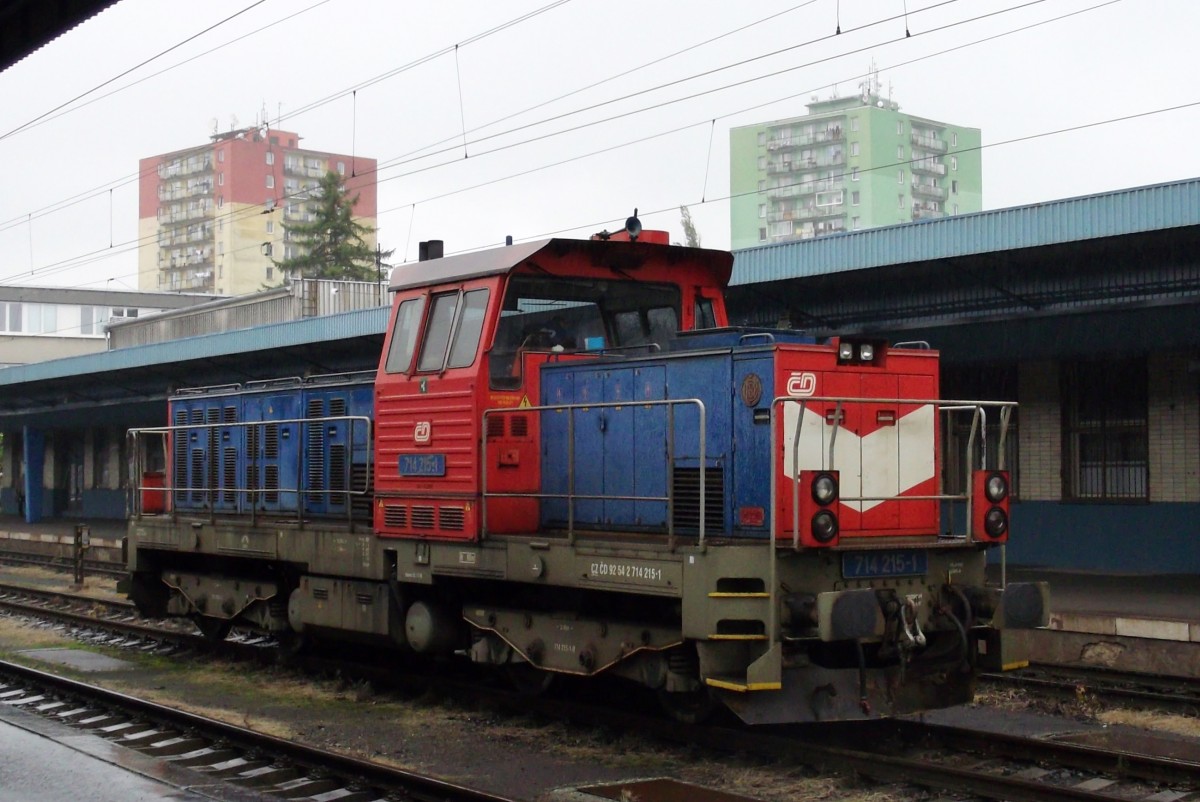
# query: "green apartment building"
{"type": "Point", "coordinates": [850, 163]}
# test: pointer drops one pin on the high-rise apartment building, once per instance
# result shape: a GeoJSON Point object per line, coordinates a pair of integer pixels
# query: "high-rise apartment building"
{"type": "Point", "coordinates": [212, 217]}
{"type": "Point", "coordinates": [850, 163]}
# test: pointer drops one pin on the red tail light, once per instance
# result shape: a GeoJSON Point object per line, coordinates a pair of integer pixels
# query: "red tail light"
{"type": "Point", "coordinates": [989, 506]}
{"type": "Point", "coordinates": [819, 524]}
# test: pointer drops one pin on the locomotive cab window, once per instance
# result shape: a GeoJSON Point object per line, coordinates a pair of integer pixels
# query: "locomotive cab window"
{"type": "Point", "coordinates": [452, 333]}
{"type": "Point", "coordinates": [404, 336]}
{"type": "Point", "coordinates": [553, 315]}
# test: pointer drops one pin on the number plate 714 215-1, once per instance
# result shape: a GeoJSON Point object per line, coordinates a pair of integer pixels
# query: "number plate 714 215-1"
{"type": "Point", "coordinates": [895, 562]}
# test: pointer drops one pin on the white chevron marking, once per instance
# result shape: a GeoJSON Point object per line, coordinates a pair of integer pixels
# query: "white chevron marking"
{"type": "Point", "coordinates": [898, 457]}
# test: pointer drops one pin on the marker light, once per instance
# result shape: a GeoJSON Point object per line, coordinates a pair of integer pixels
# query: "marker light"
{"type": "Point", "coordinates": [824, 489]}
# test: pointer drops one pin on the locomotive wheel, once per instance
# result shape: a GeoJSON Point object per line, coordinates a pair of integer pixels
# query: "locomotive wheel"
{"type": "Point", "coordinates": [214, 630]}
{"type": "Point", "coordinates": [688, 707]}
{"type": "Point", "coordinates": [528, 680]}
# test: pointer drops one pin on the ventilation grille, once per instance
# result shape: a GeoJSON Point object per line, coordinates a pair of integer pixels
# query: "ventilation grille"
{"type": "Point", "coordinates": [271, 441]}
{"type": "Point", "coordinates": [337, 407]}
{"type": "Point", "coordinates": [229, 476]}
{"type": "Point", "coordinates": [213, 418]}
{"type": "Point", "coordinates": [252, 462]}
{"type": "Point", "coordinates": [495, 427]}
{"type": "Point", "coordinates": [519, 426]}
{"type": "Point", "coordinates": [271, 484]}
{"type": "Point", "coordinates": [361, 479]}
{"type": "Point", "coordinates": [229, 415]}
{"type": "Point", "coordinates": [364, 598]}
{"type": "Point", "coordinates": [687, 499]}
{"type": "Point", "coordinates": [422, 517]}
{"type": "Point", "coordinates": [316, 451]}
{"type": "Point", "coordinates": [337, 471]}
{"type": "Point", "coordinates": [180, 445]}
{"type": "Point", "coordinates": [395, 516]}
{"type": "Point", "coordinates": [321, 593]}
{"type": "Point", "coordinates": [451, 519]}
{"type": "Point", "coordinates": [197, 474]}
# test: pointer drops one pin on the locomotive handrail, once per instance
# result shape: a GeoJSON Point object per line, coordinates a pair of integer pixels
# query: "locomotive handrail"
{"type": "Point", "coordinates": [571, 496]}
{"type": "Point", "coordinates": [952, 405]}
{"type": "Point", "coordinates": [169, 489]}
{"type": "Point", "coordinates": [208, 388]}
{"type": "Point", "coordinates": [764, 335]}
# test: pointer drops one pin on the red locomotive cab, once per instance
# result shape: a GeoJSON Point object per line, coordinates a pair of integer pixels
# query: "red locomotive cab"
{"type": "Point", "coordinates": [458, 388]}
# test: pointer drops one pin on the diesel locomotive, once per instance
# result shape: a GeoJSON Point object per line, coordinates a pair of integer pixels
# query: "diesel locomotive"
{"type": "Point", "coordinates": [568, 462]}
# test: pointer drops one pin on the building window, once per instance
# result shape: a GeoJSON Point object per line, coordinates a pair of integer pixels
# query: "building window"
{"type": "Point", "coordinates": [762, 210]}
{"type": "Point", "coordinates": [899, 176]}
{"type": "Point", "coordinates": [854, 198]}
{"type": "Point", "coordinates": [854, 174]}
{"type": "Point", "coordinates": [899, 153]}
{"type": "Point", "coordinates": [900, 127]}
{"type": "Point", "coordinates": [854, 224]}
{"type": "Point", "coordinates": [954, 187]}
{"type": "Point", "coordinates": [900, 201]}
{"type": "Point", "coordinates": [853, 123]}
{"type": "Point", "coordinates": [341, 168]}
{"type": "Point", "coordinates": [762, 162]}
{"type": "Point", "coordinates": [270, 182]}
{"type": "Point", "coordinates": [270, 226]}
{"type": "Point", "coordinates": [762, 235]}
{"type": "Point", "coordinates": [220, 179]}
{"type": "Point", "coordinates": [954, 139]}
{"type": "Point", "coordinates": [762, 138]}
{"type": "Point", "coordinates": [762, 185]}
{"type": "Point", "coordinates": [853, 148]}
{"type": "Point", "coordinates": [270, 273]}
{"type": "Point", "coordinates": [1105, 431]}
{"type": "Point", "coordinates": [220, 155]}
{"type": "Point", "coordinates": [220, 201]}
{"type": "Point", "coordinates": [953, 162]}
{"type": "Point", "coordinates": [270, 157]}
{"type": "Point", "coordinates": [956, 208]}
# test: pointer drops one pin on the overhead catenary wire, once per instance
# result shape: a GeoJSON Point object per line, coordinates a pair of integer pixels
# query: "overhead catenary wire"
{"type": "Point", "coordinates": [134, 177]}
{"type": "Point", "coordinates": [232, 216]}
{"type": "Point", "coordinates": [134, 68]}
{"type": "Point", "coordinates": [677, 100]}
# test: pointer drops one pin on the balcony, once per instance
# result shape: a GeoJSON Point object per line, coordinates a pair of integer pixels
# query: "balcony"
{"type": "Point", "coordinates": [927, 214]}
{"type": "Point", "coordinates": [797, 165]}
{"type": "Point", "coordinates": [834, 133]}
{"type": "Point", "coordinates": [929, 142]}
{"type": "Point", "coordinates": [928, 166]}
{"type": "Point", "coordinates": [929, 191]}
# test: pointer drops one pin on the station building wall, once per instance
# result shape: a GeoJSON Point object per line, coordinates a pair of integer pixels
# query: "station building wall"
{"type": "Point", "coordinates": [1151, 520]}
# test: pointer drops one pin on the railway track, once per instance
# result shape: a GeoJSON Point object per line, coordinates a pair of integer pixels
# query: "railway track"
{"type": "Point", "coordinates": [1175, 694]}
{"type": "Point", "coordinates": [235, 755]}
{"type": "Point", "coordinates": [54, 562]}
{"type": "Point", "coordinates": [943, 759]}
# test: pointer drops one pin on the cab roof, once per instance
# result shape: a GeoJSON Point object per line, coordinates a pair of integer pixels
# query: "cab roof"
{"type": "Point", "coordinates": [628, 257]}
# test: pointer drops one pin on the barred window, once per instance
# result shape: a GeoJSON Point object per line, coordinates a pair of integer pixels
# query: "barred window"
{"type": "Point", "coordinates": [1105, 431]}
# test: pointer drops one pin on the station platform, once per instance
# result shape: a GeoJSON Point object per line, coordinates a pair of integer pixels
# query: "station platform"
{"type": "Point", "coordinates": [1137, 622]}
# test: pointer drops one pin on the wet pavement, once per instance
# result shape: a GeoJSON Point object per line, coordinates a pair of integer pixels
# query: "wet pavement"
{"type": "Point", "coordinates": [44, 761]}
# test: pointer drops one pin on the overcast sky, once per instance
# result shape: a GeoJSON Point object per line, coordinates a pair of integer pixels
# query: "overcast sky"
{"type": "Point", "coordinates": [655, 136]}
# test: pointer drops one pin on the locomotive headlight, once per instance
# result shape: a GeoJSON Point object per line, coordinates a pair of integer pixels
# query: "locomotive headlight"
{"type": "Point", "coordinates": [996, 488]}
{"type": "Point", "coordinates": [824, 526]}
{"type": "Point", "coordinates": [995, 522]}
{"type": "Point", "coordinates": [824, 489]}
{"type": "Point", "coordinates": [866, 352]}
{"type": "Point", "coordinates": [845, 351]}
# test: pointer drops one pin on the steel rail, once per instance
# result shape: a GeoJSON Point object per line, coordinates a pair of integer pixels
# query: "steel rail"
{"type": "Point", "coordinates": [349, 770]}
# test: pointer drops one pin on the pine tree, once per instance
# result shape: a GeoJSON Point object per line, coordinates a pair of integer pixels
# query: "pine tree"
{"type": "Point", "coordinates": [690, 235]}
{"type": "Point", "coordinates": [332, 245]}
